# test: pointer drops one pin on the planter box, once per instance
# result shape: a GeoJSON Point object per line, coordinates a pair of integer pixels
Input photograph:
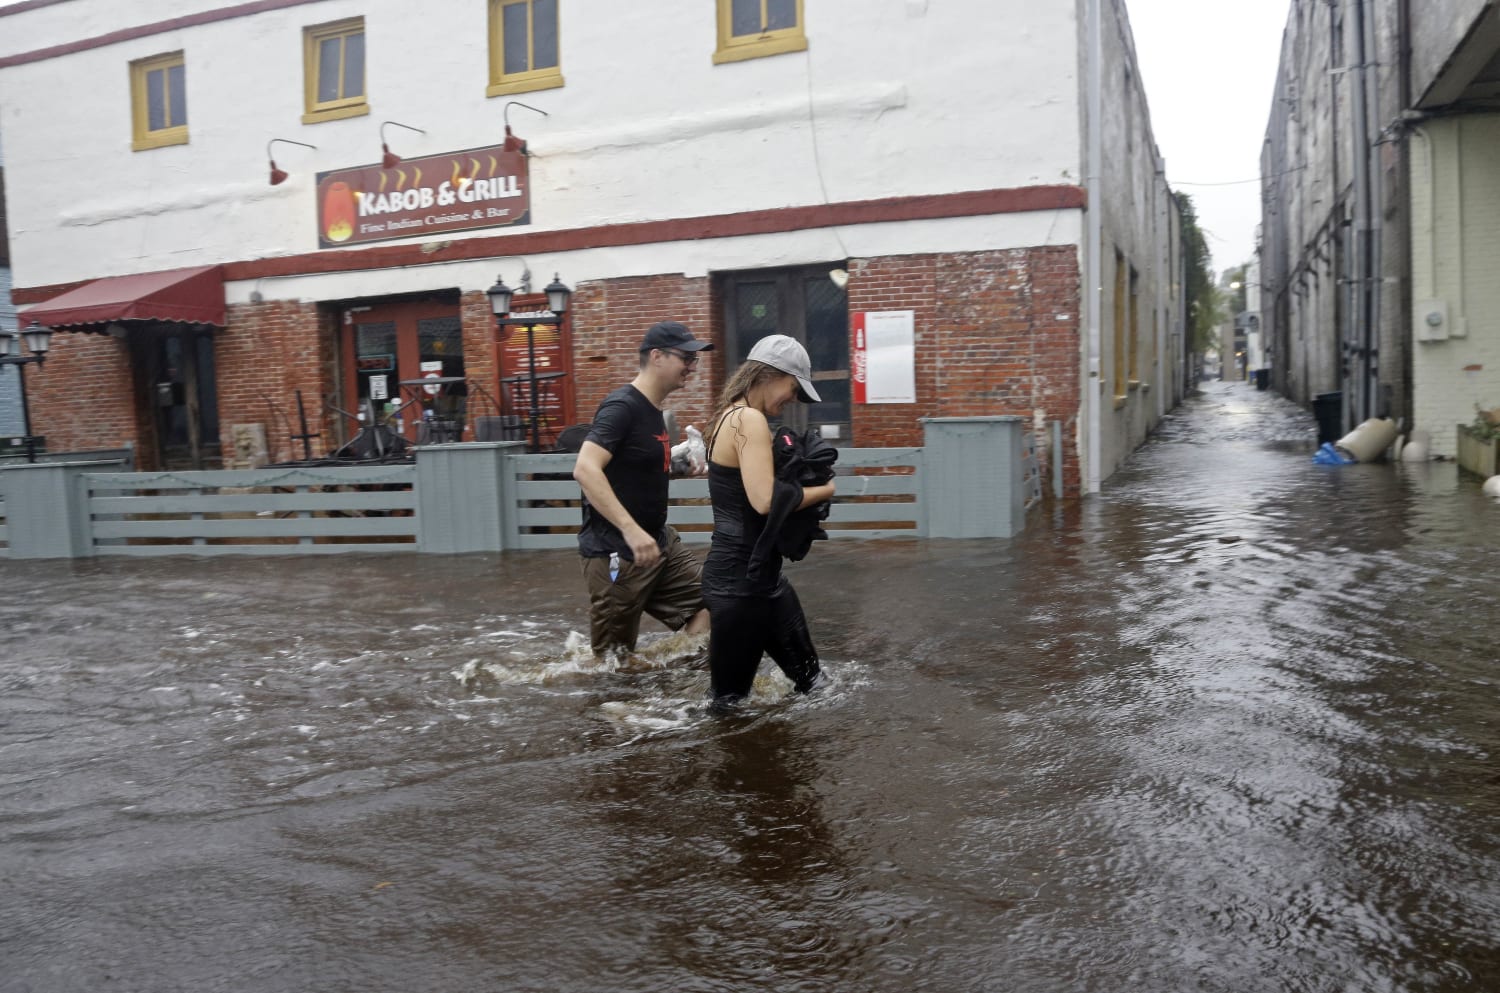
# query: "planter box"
{"type": "Point", "coordinates": [1475, 455]}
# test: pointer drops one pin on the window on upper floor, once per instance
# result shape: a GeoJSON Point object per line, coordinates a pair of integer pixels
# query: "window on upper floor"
{"type": "Point", "coordinates": [158, 101]}
{"type": "Point", "coordinates": [333, 57]}
{"type": "Point", "coordinates": [1133, 373]}
{"type": "Point", "coordinates": [749, 29]}
{"type": "Point", "coordinates": [523, 46]}
{"type": "Point", "coordinates": [1119, 381]}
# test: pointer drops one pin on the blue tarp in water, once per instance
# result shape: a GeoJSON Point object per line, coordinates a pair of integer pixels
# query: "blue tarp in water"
{"type": "Point", "coordinates": [1328, 455]}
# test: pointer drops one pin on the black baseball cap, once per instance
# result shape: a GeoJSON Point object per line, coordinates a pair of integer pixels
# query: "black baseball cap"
{"type": "Point", "coordinates": [670, 334]}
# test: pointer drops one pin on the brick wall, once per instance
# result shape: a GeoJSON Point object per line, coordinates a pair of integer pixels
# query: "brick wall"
{"type": "Point", "coordinates": [996, 333]}
{"type": "Point", "coordinates": [274, 348]}
{"type": "Point", "coordinates": [481, 349]}
{"type": "Point", "coordinates": [611, 317]}
{"type": "Point", "coordinates": [268, 352]}
{"type": "Point", "coordinates": [82, 396]}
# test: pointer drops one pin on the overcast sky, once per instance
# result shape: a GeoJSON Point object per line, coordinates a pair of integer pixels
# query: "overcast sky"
{"type": "Point", "coordinates": [1208, 67]}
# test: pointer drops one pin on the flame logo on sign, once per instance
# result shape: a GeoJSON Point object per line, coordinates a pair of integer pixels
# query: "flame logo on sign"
{"type": "Point", "coordinates": [338, 212]}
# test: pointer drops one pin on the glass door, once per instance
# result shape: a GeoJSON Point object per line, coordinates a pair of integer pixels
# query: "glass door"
{"type": "Point", "coordinates": [805, 304]}
{"type": "Point", "coordinates": [404, 365]}
{"type": "Point", "coordinates": [375, 368]}
{"type": "Point", "coordinates": [440, 357]}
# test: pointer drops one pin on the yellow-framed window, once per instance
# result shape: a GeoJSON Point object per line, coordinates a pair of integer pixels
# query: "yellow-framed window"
{"type": "Point", "coordinates": [158, 101]}
{"type": "Point", "coordinates": [1118, 382]}
{"type": "Point", "coordinates": [750, 29]}
{"type": "Point", "coordinates": [333, 58]}
{"type": "Point", "coordinates": [1133, 373]}
{"type": "Point", "coordinates": [525, 51]}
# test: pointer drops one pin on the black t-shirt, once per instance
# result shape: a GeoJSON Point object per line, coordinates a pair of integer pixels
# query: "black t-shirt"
{"type": "Point", "coordinates": [633, 431]}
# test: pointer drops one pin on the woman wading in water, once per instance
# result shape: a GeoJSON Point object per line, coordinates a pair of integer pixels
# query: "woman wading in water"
{"type": "Point", "coordinates": [752, 608]}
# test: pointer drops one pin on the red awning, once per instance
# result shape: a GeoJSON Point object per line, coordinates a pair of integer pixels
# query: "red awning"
{"type": "Point", "coordinates": [188, 296]}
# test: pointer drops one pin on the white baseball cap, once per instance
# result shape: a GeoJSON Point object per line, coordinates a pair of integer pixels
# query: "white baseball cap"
{"type": "Point", "coordinates": [786, 354]}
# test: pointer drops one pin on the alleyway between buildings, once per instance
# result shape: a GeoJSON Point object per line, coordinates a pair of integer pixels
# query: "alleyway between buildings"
{"type": "Point", "coordinates": [1229, 727]}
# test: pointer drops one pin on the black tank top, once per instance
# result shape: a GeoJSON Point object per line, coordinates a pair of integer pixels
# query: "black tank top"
{"type": "Point", "coordinates": [736, 529]}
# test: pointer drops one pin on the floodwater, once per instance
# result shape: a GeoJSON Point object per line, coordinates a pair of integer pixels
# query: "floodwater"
{"type": "Point", "coordinates": [1229, 727]}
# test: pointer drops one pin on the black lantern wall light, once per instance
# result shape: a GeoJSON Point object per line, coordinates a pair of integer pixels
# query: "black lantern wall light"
{"type": "Point", "coordinates": [38, 340]}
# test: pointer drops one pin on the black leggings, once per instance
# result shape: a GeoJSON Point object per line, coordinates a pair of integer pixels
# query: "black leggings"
{"type": "Point", "coordinates": [744, 627]}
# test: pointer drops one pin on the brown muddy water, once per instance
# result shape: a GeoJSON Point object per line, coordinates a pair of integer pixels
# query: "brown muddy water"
{"type": "Point", "coordinates": [1229, 727]}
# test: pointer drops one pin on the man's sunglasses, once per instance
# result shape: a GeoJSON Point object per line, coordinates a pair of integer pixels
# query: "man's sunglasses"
{"type": "Point", "coordinates": [688, 358]}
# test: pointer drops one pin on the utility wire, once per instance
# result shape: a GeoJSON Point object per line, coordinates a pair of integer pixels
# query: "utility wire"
{"type": "Point", "coordinates": [812, 126]}
{"type": "Point", "coordinates": [1240, 182]}
{"type": "Point", "coordinates": [1236, 182]}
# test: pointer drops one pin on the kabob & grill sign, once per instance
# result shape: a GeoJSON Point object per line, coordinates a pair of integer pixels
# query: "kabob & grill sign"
{"type": "Point", "coordinates": [456, 191]}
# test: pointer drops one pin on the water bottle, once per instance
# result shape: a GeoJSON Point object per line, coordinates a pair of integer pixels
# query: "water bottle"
{"type": "Point", "coordinates": [614, 566]}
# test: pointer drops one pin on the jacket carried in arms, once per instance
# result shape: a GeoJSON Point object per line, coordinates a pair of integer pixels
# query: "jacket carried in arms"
{"type": "Point", "coordinates": [801, 460]}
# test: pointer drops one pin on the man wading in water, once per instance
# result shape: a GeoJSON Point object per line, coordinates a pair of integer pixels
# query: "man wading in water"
{"type": "Point", "coordinates": [632, 561]}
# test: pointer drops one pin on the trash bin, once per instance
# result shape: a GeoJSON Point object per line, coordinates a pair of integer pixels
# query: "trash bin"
{"type": "Point", "coordinates": [1328, 408]}
{"type": "Point", "coordinates": [1262, 379]}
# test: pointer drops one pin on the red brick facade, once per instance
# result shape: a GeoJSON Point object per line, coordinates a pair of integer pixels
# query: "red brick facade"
{"type": "Point", "coordinates": [82, 397]}
{"type": "Point", "coordinates": [269, 352]}
{"type": "Point", "coordinates": [996, 333]}
{"type": "Point", "coordinates": [609, 320]}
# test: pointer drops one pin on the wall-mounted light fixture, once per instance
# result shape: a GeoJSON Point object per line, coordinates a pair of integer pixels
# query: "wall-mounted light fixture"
{"type": "Point", "coordinates": [388, 158]}
{"type": "Point", "coordinates": [38, 340]}
{"type": "Point", "coordinates": [512, 143]}
{"type": "Point", "coordinates": [278, 176]}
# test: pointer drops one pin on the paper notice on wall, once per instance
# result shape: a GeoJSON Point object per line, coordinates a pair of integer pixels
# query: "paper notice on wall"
{"type": "Point", "coordinates": [884, 356]}
{"type": "Point", "coordinates": [378, 388]}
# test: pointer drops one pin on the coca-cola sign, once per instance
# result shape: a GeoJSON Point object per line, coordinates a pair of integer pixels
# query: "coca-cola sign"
{"type": "Point", "coordinates": [884, 356]}
{"type": "Point", "coordinates": [437, 194]}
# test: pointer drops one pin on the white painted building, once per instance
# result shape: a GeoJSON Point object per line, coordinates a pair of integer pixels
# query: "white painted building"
{"type": "Point", "coordinates": [943, 153]}
{"type": "Point", "coordinates": [12, 419]}
{"type": "Point", "coordinates": [1381, 210]}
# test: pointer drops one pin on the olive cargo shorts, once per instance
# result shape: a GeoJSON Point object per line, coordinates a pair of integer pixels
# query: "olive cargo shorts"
{"type": "Point", "coordinates": [669, 591]}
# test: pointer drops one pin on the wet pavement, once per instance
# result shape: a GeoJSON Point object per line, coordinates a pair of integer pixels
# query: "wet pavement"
{"type": "Point", "coordinates": [1229, 727]}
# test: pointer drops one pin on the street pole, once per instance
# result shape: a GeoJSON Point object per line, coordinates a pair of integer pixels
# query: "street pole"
{"type": "Point", "coordinates": [26, 414]}
{"type": "Point", "coordinates": [557, 304]}
{"type": "Point", "coordinates": [536, 411]}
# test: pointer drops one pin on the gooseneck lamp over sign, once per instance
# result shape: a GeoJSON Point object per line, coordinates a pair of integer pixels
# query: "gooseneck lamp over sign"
{"type": "Point", "coordinates": [38, 341]}
{"type": "Point", "coordinates": [278, 176]}
{"type": "Point", "coordinates": [558, 298]}
{"type": "Point", "coordinates": [388, 158]}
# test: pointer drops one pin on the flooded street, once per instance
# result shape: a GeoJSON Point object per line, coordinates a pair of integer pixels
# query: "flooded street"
{"type": "Point", "coordinates": [1229, 727]}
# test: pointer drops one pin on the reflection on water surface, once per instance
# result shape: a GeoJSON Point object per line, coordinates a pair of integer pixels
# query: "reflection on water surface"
{"type": "Point", "coordinates": [1229, 727]}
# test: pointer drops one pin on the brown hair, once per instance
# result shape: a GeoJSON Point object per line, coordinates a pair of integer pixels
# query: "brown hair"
{"type": "Point", "coordinates": [746, 378]}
